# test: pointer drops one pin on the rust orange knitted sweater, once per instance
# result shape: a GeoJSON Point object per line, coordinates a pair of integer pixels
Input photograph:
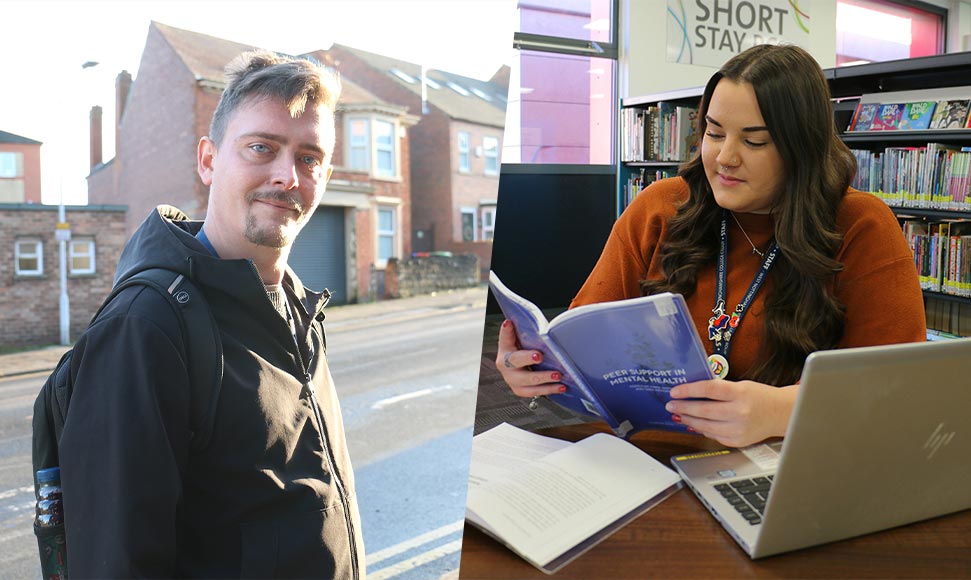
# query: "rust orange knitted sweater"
{"type": "Point", "coordinates": [878, 284]}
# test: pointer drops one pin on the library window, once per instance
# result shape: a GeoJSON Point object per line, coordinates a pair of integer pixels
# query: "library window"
{"type": "Point", "coordinates": [465, 164]}
{"type": "Point", "coordinates": [585, 20]}
{"type": "Point", "coordinates": [386, 235]}
{"type": "Point", "coordinates": [490, 146]}
{"type": "Point", "coordinates": [468, 224]}
{"type": "Point", "coordinates": [880, 30]}
{"type": "Point", "coordinates": [81, 256]}
{"type": "Point", "coordinates": [488, 219]}
{"type": "Point", "coordinates": [562, 95]}
{"type": "Point", "coordinates": [29, 258]}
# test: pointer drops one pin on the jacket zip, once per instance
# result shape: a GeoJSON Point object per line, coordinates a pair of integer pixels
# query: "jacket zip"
{"type": "Point", "coordinates": [321, 432]}
{"type": "Point", "coordinates": [328, 451]}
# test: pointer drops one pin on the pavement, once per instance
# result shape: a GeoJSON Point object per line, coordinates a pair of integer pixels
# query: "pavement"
{"type": "Point", "coordinates": [44, 359]}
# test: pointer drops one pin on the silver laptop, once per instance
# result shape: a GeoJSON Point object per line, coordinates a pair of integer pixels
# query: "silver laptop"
{"type": "Point", "coordinates": [879, 437]}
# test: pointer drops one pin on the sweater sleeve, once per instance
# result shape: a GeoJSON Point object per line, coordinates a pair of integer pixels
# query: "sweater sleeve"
{"type": "Point", "coordinates": [879, 284]}
{"type": "Point", "coordinates": [125, 445]}
{"type": "Point", "coordinates": [628, 254]}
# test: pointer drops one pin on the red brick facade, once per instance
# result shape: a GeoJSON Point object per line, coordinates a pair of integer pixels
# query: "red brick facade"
{"type": "Point", "coordinates": [26, 187]}
{"type": "Point", "coordinates": [439, 189]}
{"type": "Point", "coordinates": [156, 150]}
{"type": "Point", "coordinates": [30, 313]}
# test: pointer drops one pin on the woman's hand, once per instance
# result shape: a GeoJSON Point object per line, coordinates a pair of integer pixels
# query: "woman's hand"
{"type": "Point", "coordinates": [513, 365]}
{"type": "Point", "coordinates": [738, 413]}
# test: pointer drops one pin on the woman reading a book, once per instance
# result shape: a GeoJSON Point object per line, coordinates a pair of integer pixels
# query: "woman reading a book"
{"type": "Point", "coordinates": [775, 255]}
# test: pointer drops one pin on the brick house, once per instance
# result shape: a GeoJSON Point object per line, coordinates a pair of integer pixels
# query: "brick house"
{"type": "Point", "coordinates": [455, 146]}
{"type": "Point", "coordinates": [19, 169]}
{"type": "Point", "coordinates": [30, 282]}
{"type": "Point", "coordinates": [365, 214]}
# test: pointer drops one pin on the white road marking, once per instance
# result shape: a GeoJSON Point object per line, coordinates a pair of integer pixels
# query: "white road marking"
{"type": "Point", "coordinates": [402, 547]}
{"type": "Point", "coordinates": [419, 560]}
{"type": "Point", "coordinates": [17, 491]}
{"type": "Point", "coordinates": [412, 395]}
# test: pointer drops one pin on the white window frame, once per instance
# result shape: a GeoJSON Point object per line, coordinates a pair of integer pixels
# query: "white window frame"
{"type": "Point", "coordinates": [380, 233]}
{"type": "Point", "coordinates": [488, 225]}
{"type": "Point", "coordinates": [90, 254]}
{"type": "Point", "coordinates": [465, 152]}
{"type": "Point", "coordinates": [372, 149]}
{"type": "Point", "coordinates": [360, 147]}
{"type": "Point", "coordinates": [38, 253]}
{"type": "Point", "coordinates": [389, 148]}
{"type": "Point", "coordinates": [491, 157]}
{"type": "Point", "coordinates": [475, 224]}
{"type": "Point", "coordinates": [10, 164]}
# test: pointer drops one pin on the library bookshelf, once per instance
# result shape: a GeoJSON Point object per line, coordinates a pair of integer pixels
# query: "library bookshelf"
{"type": "Point", "coordinates": [922, 174]}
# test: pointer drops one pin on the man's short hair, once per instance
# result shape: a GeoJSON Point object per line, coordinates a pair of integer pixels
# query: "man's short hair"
{"type": "Point", "coordinates": [298, 82]}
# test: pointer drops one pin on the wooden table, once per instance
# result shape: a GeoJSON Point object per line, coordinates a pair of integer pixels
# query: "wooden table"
{"type": "Point", "coordinates": [680, 539]}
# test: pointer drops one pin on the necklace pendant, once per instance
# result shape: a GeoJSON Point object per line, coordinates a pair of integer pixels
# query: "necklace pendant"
{"type": "Point", "coordinates": [757, 252]}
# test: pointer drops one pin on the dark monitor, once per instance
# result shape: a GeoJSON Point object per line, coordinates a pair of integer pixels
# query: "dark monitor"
{"type": "Point", "coordinates": [551, 226]}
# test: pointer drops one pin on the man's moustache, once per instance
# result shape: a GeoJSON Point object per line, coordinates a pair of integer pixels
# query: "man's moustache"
{"type": "Point", "coordinates": [278, 196]}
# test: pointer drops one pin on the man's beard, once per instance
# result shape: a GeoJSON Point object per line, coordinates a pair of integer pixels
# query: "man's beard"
{"type": "Point", "coordinates": [273, 237]}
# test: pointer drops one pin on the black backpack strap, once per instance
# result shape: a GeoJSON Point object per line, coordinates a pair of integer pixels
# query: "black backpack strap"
{"type": "Point", "coordinates": [203, 347]}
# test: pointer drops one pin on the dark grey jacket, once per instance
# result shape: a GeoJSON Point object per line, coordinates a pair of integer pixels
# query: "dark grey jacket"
{"type": "Point", "coordinates": [270, 495]}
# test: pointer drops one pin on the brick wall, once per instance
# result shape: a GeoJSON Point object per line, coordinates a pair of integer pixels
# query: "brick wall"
{"type": "Point", "coordinates": [29, 307]}
{"type": "Point", "coordinates": [414, 276]}
{"type": "Point", "coordinates": [470, 189]}
{"type": "Point", "coordinates": [432, 179]}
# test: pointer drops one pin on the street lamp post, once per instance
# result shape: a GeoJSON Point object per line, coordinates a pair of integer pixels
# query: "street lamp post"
{"type": "Point", "coordinates": [63, 236]}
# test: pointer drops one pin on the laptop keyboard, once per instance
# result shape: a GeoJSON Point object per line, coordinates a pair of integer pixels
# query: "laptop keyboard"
{"type": "Point", "coordinates": [747, 496]}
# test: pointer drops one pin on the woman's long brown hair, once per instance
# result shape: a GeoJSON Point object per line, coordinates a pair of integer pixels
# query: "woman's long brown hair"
{"type": "Point", "coordinates": [801, 313]}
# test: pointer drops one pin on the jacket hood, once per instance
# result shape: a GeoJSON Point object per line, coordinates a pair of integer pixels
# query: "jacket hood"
{"type": "Point", "coordinates": [166, 239]}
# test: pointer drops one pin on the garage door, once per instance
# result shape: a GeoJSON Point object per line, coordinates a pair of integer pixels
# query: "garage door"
{"type": "Point", "coordinates": [318, 255]}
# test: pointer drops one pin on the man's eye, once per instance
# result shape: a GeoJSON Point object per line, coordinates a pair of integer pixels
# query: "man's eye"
{"type": "Point", "coordinates": [259, 148]}
{"type": "Point", "coordinates": [310, 160]}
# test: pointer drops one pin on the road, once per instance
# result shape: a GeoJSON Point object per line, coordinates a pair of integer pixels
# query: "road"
{"type": "Point", "coordinates": [406, 376]}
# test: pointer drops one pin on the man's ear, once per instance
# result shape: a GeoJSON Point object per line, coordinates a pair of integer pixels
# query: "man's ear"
{"type": "Point", "coordinates": [205, 157]}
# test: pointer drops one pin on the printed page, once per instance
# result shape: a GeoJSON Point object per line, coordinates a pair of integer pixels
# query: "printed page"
{"type": "Point", "coordinates": [505, 449]}
{"type": "Point", "coordinates": [559, 501]}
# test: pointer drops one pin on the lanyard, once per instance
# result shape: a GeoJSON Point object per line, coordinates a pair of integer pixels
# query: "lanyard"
{"type": "Point", "coordinates": [722, 326]}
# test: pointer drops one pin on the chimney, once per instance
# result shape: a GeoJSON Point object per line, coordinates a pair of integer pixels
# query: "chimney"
{"type": "Point", "coordinates": [122, 88]}
{"type": "Point", "coordinates": [96, 149]}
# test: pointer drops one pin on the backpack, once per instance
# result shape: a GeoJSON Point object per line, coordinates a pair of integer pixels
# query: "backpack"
{"type": "Point", "coordinates": [203, 350]}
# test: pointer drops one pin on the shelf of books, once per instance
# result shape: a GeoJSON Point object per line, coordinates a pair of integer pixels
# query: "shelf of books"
{"type": "Point", "coordinates": [908, 125]}
{"type": "Point", "coordinates": [657, 135]}
{"type": "Point", "coordinates": [913, 150]}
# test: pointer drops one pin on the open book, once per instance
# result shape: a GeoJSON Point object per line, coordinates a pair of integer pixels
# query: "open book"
{"type": "Point", "coordinates": [550, 500]}
{"type": "Point", "coordinates": [618, 359]}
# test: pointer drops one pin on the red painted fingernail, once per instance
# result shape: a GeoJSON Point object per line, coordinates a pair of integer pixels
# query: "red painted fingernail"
{"type": "Point", "coordinates": [536, 356]}
{"type": "Point", "coordinates": [506, 323]}
{"type": "Point", "coordinates": [676, 418]}
{"type": "Point", "coordinates": [562, 389]}
{"type": "Point", "coordinates": [556, 376]}
{"type": "Point", "coordinates": [692, 430]}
